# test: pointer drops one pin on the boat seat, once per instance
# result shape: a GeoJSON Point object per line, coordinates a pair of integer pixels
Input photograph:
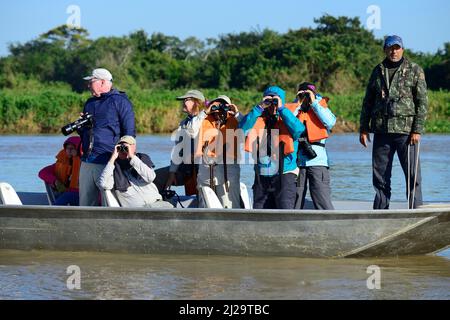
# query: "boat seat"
{"type": "Point", "coordinates": [109, 199]}
{"type": "Point", "coordinates": [51, 194]}
{"type": "Point", "coordinates": [210, 198]}
{"type": "Point", "coordinates": [8, 195]}
{"type": "Point", "coordinates": [245, 198]}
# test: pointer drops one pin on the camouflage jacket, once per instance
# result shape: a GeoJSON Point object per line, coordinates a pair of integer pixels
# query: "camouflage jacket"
{"type": "Point", "coordinates": [398, 107]}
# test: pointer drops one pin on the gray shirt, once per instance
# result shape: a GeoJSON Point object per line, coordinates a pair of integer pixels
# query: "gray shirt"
{"type": "Point", "coordinates": [142, 192]}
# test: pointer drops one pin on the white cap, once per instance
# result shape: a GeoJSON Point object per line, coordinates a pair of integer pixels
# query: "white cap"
{"type": "Point", "coordinates": [101, 74]}
{"type": "Point", "coordinates": [223, 98]}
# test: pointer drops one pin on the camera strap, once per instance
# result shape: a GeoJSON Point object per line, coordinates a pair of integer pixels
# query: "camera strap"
{"type": "Point", "coordinates": [91, 141]}
{"type": "Point", "coordinates": [281, 161]}
{"type": "Point", "coordinates": [318, 144]}
{"type": "Point", "coordinates": [225, 171]}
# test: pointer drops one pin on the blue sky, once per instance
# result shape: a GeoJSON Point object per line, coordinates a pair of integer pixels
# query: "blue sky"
{"type": "Point", "coordinates": [424, 25]}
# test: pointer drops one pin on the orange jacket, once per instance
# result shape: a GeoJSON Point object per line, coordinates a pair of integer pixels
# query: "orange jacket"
{"type": "Point", "coordinates": [315, 128]}
{"type": "Point", "coordinates": [67, 171]}
{"type": "Point", "coordinates": [209, 133]}
{"type": "Point", "coordinates": [284, 135]}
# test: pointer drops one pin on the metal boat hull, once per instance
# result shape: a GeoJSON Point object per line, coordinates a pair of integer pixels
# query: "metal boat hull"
{"type": "Point", "coordinates": [306, 233]}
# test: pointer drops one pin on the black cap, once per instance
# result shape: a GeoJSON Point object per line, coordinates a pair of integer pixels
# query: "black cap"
{"type": "Point", "coordinates": [306, 86]}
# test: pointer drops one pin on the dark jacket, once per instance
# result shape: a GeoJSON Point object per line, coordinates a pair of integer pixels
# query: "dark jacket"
{"type": "Point", "coordinates": [401, 106]}
{"type": "Point", "coordinates": [113, 118]}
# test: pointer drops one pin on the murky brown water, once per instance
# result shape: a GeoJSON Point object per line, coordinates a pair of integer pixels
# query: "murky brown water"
{"type": "Point", "coordinates": [42, 275]}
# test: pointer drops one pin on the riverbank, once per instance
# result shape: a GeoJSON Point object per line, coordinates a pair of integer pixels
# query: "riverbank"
{"type": "Point", "coordinates": [47, 110]}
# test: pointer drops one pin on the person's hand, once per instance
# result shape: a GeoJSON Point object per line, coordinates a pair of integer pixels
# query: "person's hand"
{"type": "Point", "coordinates": [263, 104]}
{"type": "Point", "coordinates": [414, 138]}
{"type": "Point", "coordinates": [171, 180]}
{"type": "Point", "coordinates": [312, 96]}
{"type": "Point", "coordinates": [60, 187]}
{"type": "Point", "coordinates": [73, 152]}
{"type": "Point", "coordinates": [280, 102]}
{"type": "Point", "coordinates": [364, 137]}
{"type": "Point", "coordinates": [115, 154]}
{"type": "Point", "coordinates": [208, 110]}
{"type": "Point", "coordinates": [233, 109]}
{"type": "Point", "coordinates": [131, 150]}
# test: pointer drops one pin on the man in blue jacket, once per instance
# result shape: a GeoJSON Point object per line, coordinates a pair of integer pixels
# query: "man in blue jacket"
{"type": "Point", "coordinates": [112, 117]}
{"type": "Point", "coordinates": [275, 131]}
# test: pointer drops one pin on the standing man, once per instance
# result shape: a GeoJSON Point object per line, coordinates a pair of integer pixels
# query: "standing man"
{"type": "Point", "coordinates": [394, 109]}
{"type": "Point", "coordinates": [112, 117]}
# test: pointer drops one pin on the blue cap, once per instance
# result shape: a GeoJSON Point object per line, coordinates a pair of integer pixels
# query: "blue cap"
{"type": "Point", "coordinates": [393, 40]}
{"type": "Point", "coordinates": [275, 91]}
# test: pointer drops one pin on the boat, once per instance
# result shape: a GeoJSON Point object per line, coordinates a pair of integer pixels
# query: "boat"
{"type": "Point", "coordinates": [346, 232]}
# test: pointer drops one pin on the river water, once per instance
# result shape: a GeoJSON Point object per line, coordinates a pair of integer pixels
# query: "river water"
{"type": "Point", "coordinates": [42, 274]}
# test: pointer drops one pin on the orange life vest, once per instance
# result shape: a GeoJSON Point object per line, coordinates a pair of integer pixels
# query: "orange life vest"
{"type": "Point", "coordinates": [209, 134]}
{"type": "Point", "coordinates": [315, 128]}
{"type": "Point", "coordinates": [65, 171]}
{"type": "Point", "coordinates": [284, 135]}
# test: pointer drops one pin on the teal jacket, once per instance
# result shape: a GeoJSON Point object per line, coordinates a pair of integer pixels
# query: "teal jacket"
{"type": "Point", "coordinates": [266, 165]}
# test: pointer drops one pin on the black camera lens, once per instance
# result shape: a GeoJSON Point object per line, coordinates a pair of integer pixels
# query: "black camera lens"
{"type": "Point", "coordinates": [84, 121]}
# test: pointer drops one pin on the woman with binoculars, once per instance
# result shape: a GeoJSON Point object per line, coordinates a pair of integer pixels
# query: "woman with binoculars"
{"type": "Point", "coordinates": [312, 158]}
{"type": "Point", "coordinates": [218, 152]}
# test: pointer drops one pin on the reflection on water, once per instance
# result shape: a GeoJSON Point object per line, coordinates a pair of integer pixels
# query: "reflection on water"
{"type": "Point", "coordinates": [42, 275]}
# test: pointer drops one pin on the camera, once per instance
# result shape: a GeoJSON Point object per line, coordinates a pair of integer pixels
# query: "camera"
{"type": "Point", "coordinates": [307, 148]}
{"type": "Point", "coordinates": [122, 148]}
{"type": "Point", "coordinates": [84, 121]}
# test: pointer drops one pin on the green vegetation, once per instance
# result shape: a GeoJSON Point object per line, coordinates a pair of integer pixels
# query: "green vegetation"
{"type": "Point", "coordinates": [157, 111]}
{"type": "Point", "coordinates": [41, 86]}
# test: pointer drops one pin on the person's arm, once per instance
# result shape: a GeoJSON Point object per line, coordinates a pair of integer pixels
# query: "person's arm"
{"type": "Point", "coordinates": [420, 101]}
{"type": "Point", "coordinates": [193, 126]}
{"type": "Point", "coordinates": [325, 115]}
{"type": "Point", "coordinates": [368, 102]}
{"type": "Point", "coordinates": [147, 173]}
{"type": "Point", "coordinates": [106, 179]}
{"type": "Point", "coordinates": [248, 121]}
{"type": "Point", "coordinates": [292, 123]}
{"type": "Point", "coordinates": [126, 117]}
{"type": "Point", "coordinates": [239, 116]}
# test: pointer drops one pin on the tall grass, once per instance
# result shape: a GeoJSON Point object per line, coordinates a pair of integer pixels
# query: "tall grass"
{"type": "Point", "coordinates": [47, 109]}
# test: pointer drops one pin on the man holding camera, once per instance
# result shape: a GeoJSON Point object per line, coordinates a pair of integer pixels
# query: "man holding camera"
{"type": "Point", "coordinates": [112, 117]}
{"type": "Point", "coordinates": [394, 109]}
{"type": "Point", "coordinates": [218, 149]}
{"type": "Point", "coordinates": [272, 132]}
{"type": "Point", "coordinates": [312, 158]}
{"type": "Point", "coordinates": [130, 175]}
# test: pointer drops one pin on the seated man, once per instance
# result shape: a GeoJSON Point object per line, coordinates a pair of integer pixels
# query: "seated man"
{"type": "Point", "coordinates": [130, 175]}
